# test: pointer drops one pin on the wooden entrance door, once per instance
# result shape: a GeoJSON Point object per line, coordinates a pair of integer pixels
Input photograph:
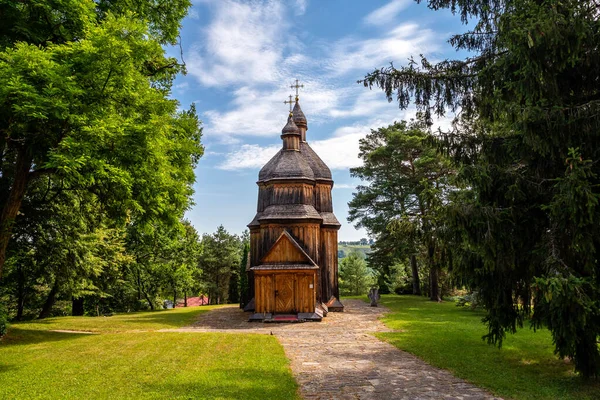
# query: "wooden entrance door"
{"type": "Point", "coordinates": [284, 293]}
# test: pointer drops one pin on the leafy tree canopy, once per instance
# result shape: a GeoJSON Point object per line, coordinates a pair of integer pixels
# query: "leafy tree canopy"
{"type": "Point", "coordinates": [84, 92]}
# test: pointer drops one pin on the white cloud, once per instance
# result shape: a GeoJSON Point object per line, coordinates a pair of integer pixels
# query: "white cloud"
{"type": "Point", "coordinates": [341, 150]}
{"type": "Point", "coordinates": [386, 13]}
{"type": "Point", "coordinates": [343, 186]}
{"type": "Point", "coordinates": [261, 112]}
{"type": "Point", "coordinates": [193, 14]}
{"type": "Point", "coordinates": [338, 152]}
{"type": "Point", "coordinates": [301, 7]}
{"type": "Point", "coordinates": [248, 156]}
{"type": "Point", "coordinates": [251, 44]}
{"type": "Point", "coordinates": [241, 44]}
{"type": "Point", "coordinates": [367, 103]}
{"type": "Point", "coordinates": [350, 54]}
{"type": "Point", "coordinates": [181, 87]}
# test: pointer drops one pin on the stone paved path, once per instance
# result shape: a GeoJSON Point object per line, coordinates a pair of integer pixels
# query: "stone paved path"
{"type": "Point", "coordinates": [338, 358]}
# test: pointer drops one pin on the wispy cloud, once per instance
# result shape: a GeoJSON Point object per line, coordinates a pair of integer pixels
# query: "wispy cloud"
{"type": "Point", "coordinates": [301, 6]}
{"type": "Point", "coordinates": [251, 48]}
{"type": "Point", "coordinates": [241, 44]}
{"type": "Point", "coordinates": [386, 13]}
{"type": "Point", "coordinates": [364, 55]}
{"type": "Point", "coordinates": [366, 104]}
{"type": "Point", "coordinates": [248, 156]}
{"type": "Point", "coordinates": [344, 186]}
{"type": "Point", "coordinates": [261, 112]}
{"type": "Point", "coordinates": [193, 14]}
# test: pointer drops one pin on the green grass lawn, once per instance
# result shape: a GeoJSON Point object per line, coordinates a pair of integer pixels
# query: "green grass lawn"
{"type": "Point", "coordinates": [449, 337]}
{"type": "Point", "coordinates": [131, 322]}
{"type": "Point", "coordinates": [129, 360]}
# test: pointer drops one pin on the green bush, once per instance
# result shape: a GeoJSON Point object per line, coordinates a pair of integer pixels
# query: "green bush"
{"type": "Point", "coordinates": [468, 300]}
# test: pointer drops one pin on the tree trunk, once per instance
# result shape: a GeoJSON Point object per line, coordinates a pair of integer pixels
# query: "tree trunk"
{"type": "Point", "coordinates": [416, 282]}
{"type": "Point", "coordinates": [174, 298]}
{"type": "Point", "coordinates": [20, 294]}
{"type": "Point", "coordinates": [50, 300]}
{"type": "Point", "coordinates": [13, 202]}
{"type": "Point", "coordinates": [185, 299]}
{"type": "Point", "coordinates": [149, 301]}
{"type": "Point", "coordinates": [20, 306]}
{"type": "Point", "coordinates": [139, 284]}
{"type": "Point", "coordinates": [77, 306]}
{"type": "Point", "coordinates": [434, 290]}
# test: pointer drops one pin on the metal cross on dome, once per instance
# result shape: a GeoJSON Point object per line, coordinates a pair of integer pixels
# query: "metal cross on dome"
{"type": "Point", "coordinates": [290, 102]}
{"type": "Point", "coordinates": [297, 86]}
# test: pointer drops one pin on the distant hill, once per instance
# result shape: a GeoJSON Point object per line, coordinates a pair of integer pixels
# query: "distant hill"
{"type": "Point", "coordinates": [345, 249]}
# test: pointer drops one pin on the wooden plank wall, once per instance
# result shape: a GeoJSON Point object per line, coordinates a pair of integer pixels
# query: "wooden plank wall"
{"type": "Point", "coordinates": [328, 264]}
{"type": "Point", "coordinates": [323, 201]}
{"type": "Point", "coordinates": [304, 298]}
{"type": "Point", "coordinates": [305, 295]}
{"type": "Point", "coordinates": [306, 234]}
{"type": "Point", "coordinates": [285, 252]}
{"type": "Point", "coordinates": [264, 293]}
{"type": "Point", "coordinates": [284, 193]}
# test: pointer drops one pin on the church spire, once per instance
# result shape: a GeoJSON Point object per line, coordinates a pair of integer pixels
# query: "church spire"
{"type": "Point", "coordinates": [290, 132]}
{"type": "Point", "coordinates": [298, 115]}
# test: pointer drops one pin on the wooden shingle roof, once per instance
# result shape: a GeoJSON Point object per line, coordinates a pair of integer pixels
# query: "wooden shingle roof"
{"type": "Point", "coordinates": [289, 211]}
{"type": "Point", "coordinates": [286, 164]}
{"type": "Point", "coordinates": [299, 117]}
{"type": "Point", "coordinates": [320, 170]}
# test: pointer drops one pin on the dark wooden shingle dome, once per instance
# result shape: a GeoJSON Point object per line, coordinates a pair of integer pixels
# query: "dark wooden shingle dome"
{"type": "Point", "coordinates": [286, 164]}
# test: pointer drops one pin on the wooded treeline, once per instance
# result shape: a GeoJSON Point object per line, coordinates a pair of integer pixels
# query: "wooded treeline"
{"type": "Point", "coordinates": [97, 163]}
{"type": "Point", "coordinates": [506, 202]}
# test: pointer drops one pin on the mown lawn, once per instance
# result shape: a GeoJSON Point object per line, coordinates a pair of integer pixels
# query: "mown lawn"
{"type": "Point", "coordinates": [131, 322]}
{"type": "Point", "coordinates": [129, 360]}
{"type": "Point", "coordinates": [449, 337]}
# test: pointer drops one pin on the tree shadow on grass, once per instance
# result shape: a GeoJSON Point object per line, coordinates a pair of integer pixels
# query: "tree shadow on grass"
{"type": "Point", "coordinates": [7, 368]}
{"type": "Point", "coordinates": [164, 318]}
{"type": "Point", "coordinates": [23, 337]}
{"type": "Point", "coordinates": [119, 322]}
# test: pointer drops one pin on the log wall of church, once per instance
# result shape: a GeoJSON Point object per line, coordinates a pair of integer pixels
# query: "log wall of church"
{"type": "Point", "coordinates": [322, 198]}
{"type": "Point", "coordinates": [329, 263]}
{"type": "Point", "coordinates": [281, 194]}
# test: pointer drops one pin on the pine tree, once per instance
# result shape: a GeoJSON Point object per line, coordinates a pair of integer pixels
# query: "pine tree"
{"type": "Point", "coordinates": [526, 144]}
{"type": "Point", "coordinates": [402, 204]}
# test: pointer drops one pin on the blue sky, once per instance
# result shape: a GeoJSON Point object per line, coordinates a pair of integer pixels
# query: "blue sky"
{"type": "Point", "coordinates": [242, 56]}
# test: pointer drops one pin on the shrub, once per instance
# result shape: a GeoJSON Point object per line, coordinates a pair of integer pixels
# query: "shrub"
{"type": "Point", "coordinates": [468, 300]}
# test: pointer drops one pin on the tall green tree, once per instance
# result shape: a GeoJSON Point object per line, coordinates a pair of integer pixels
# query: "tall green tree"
{"type": "Point", "coordinates": [219, 260]}
{"type": "Point", "coordinates": [84, 89]}
{"type": "Point", "coordinates": [526, 142]}
{"type": "Point", "coordinates": [408, 181]}
{"type": "Point", "coordinates": [183, 272]}
{"type": "Point", "coordinates": [355, 277]}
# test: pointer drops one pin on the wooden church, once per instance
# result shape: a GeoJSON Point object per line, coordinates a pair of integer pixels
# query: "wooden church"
{"type": "Point", "coordinates": [293, 262]}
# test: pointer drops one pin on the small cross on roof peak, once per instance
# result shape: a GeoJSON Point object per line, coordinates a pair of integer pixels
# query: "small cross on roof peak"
{"type": "Point", "coordinates": [297, 86]}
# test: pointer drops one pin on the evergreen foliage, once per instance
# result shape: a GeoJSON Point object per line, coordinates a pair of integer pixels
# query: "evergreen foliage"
{"type": "Point", "coordinates": [403, 203]}
{"type": "Point", "coordinates": [220, 260]}
{"type": "Point", "coordinates": [244, 284]}
{"type": "Point", "coordinates": [525, 144]}
{"type": "Point", "coordinates": [355, 277]}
